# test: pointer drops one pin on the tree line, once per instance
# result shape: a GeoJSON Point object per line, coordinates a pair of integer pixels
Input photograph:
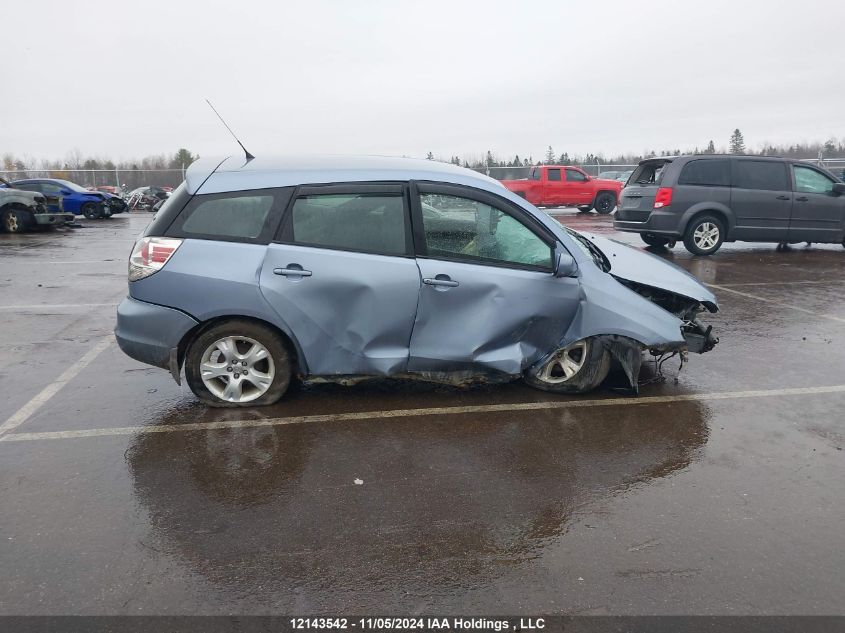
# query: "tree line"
{"type": "Point", "coordinates": [832, 148]}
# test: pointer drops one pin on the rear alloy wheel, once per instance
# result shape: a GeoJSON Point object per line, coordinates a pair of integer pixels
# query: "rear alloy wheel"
{"type": "Point", "coordinates": [576, 368]}
{"type": "Point", "coordinates": [16, 221]}
{"type": "Point", "coordinates": [92, 211]}
{"type": "Point", "coordinates": [238, 363]}
{"type": "Point", "coordinates": [655, 240]}
{"type": "Point", "coordinates": [605, 202]}
{"type": "Point", "coordinates": [704, 235]}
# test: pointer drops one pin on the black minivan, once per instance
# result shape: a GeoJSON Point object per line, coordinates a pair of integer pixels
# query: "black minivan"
{"type": "Point", "coordinates": [709, 199]}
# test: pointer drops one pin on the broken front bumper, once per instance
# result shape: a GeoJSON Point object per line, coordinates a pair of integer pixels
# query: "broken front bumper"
{"type": "Point", "coordinates": [699, 338]}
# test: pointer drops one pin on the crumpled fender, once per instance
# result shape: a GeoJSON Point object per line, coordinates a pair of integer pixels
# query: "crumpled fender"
{"type": "Point", "coordinates": [623, 321]}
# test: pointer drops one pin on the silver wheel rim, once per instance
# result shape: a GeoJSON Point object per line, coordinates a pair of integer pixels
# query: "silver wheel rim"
{"type": "Point", "coordinates": [12, 222]}
{"type": "Point", "coordinates": [237, 369]}
{"type": "Point", "coordinates": [706, 235]}
{"type": "Point", "coordinates": [565, 364]}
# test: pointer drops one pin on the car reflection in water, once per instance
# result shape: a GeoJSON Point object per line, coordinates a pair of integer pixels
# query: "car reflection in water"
{"type": "Point", "coordinates": [446, 502]}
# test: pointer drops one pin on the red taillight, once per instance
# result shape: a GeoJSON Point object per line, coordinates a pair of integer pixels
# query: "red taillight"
{"type": "Point", "coordinates": [149, 255]}
{"type": "Point", "coordinates": [663, 197]}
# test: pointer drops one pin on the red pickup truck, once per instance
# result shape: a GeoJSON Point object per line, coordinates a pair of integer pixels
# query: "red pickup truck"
{"type": "Point", "coordinates": [559, 186]}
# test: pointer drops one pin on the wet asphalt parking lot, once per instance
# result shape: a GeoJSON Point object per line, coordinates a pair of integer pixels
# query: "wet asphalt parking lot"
{"type": "Point", "coordinates": [718, 493]}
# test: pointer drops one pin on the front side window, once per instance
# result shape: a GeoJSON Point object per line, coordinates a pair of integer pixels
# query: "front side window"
{"type": "Point", "coordinates": [467, 230]}
{"type": "Point", "coordinates": [241, 216]}
{"type": "Point", "coordinates": [535, 174]}
{"type": "Point", "coordinates": [554, 174]}
{"type": "Point", "coordinates": [758, 174]}
{"type": "Point", "coordinates": [809, 180]}
{"type": "Point", "coordinates": [371, 223]}
{"type": "Point", "coordinates": [575, 176]}
{"type": "Point", "coordinates": [706, 173]}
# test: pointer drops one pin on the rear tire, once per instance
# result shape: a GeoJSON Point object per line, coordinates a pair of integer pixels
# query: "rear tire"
{"type": "Point", "coordinates": [605, 202]}
{"type": "Point", "coordinates": [91, 211]}
{"type": "Point", "coordinates": [577, 368]}
{"type": "Point", "coordinates": [704, 235]}
{"type": "Point", "coordinates": [238, 363]}
{"type": "Point", "coordinates": [654, 240]}
{"type": "Point", "coordinates": [16, 221]}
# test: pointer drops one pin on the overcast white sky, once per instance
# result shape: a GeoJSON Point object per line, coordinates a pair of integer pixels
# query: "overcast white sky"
{"type": "Point", "coordinates": [128, 79]}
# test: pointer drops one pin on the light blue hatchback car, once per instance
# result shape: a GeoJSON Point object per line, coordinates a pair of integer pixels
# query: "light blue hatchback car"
{"type": "Point", "coordinates": [256, 271]}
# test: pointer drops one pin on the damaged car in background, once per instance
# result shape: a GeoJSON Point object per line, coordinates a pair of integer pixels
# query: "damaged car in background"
{"type": "Point", "coordinates": [257, 271]}
{"type": "Point", "coordinates": [22, 211]}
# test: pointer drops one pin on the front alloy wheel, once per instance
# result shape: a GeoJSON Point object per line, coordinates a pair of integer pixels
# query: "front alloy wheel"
{"type": "Point", "coordinates": [238, 363]}
{"type": "Point", "coordinates": [577, 368]}
{"type": "Point", "coordinates": [605, 203]}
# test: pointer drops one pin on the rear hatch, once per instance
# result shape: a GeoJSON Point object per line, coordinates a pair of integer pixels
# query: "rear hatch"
{"type": "Point", "coordinates": [637, 200]}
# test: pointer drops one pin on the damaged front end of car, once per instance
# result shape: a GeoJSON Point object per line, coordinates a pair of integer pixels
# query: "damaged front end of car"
{"type": "Point", "coordinates": [699, 338]}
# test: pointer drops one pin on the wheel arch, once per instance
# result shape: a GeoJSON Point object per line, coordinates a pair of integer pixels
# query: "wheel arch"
{"type": "Point", "coordinates": [298, 364]}
{"type": "Point", "coordinates": [719, 210]}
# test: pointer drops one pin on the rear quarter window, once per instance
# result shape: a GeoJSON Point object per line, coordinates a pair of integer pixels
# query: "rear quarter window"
{"type": "Point", "coordinates": [242, 216]}
{"type": "Point", "coordinates": [706, 173]}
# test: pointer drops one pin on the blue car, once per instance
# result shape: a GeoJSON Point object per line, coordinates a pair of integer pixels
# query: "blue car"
{"type": "Point", "coordinates": [63, 195]}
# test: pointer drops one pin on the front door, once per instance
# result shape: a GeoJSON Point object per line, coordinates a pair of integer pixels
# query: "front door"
{"type": "Point", "coordinates": [578, 189]}
{"type": "Point", "coordinates": [343, 279]}
{"type": "Point", "coordinates": [489, 300]}
{"type": "Point", "coordinates": [817, 213]}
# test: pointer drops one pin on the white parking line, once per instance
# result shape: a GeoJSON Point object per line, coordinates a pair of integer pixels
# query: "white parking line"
{"type": "Point", "coordinates": [54, 306]}
{"type": "Point", "coordinates": [780, 303]}
{"type": "Point", "coordinates": [778, 283]}
{"type": "Point", "coordinates": [407, 413]}
{"type": "Point", "coordinates": [37, 401]}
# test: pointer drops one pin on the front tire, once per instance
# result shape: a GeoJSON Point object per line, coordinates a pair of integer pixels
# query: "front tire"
{"type": "Point", "coordinates": [238, 363]}
{"type": "Point", "coordinates": [704, 235]}
{"type": "Point", "coordinates": [605, 202]}
{"type": "Point", "coordinates": [577, 368]}
{"type": "Point", "coordinates": [91, 211]}
{"type": "Point", "coordinates": [16, 221]}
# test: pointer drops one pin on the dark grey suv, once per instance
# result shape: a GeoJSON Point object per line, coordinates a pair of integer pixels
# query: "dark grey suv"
{"type": "Point", "coordinates": [706, 200]}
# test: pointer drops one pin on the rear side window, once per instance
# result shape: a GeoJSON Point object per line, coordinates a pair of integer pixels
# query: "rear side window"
{"type": "Point", "coordinates": [809, 180]}
{"type": "Point", "coordinates": [757, 174]}
{"type": "Point", "coordinates": [708, 173]}
{"type": "Point", "coordinates": [554, 174]}
{"type": "Point", "coordinates": [241, 216]}
{"type": "Point", "coordinates": [575, 176]}
{"type": "Point", "coordinates": [370, 223]}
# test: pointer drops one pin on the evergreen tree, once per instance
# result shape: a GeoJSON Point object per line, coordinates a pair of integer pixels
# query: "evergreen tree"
{"type": "Point", "coordinates": [711, 148]}
{"type": "Point", "coordinates": [429, 156]}
{"type": "Point", "coordinates": [490, 161]}
{"type": "Point", "coordinates": [737, 143]}
{"type": "Point", "coordinates": [550, 156]}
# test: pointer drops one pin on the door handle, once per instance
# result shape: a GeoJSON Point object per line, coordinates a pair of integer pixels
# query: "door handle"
{"type": "Point", "coordinates": [802, 199]}
{"type": "Point", "coordinates": [441, 280]}
{"type": "Point", "coordinates": [783, 197]}
{"type": "Point", "coordinates": [293, 270]}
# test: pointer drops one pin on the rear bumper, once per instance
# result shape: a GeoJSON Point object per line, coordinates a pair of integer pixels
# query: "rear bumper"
{"type": "Point", "coordinates": [150, 333]}
{"type": "Point", "coordinates": [657, 221]}
{"type": "Point", "coordinates": [53, 218]}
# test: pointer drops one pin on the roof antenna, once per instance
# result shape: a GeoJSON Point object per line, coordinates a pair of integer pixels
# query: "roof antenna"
{"type": "Point", "coordinates": [249, 156]}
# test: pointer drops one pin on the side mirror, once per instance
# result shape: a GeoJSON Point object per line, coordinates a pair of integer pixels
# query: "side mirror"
{"type": "Point", "coordinates": [838, 188]}
{"type": "Point", "coordinates": [565, 264]}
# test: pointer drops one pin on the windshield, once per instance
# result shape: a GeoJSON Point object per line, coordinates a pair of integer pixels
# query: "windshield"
{"type": "Point", "coordinates": [590, 249]}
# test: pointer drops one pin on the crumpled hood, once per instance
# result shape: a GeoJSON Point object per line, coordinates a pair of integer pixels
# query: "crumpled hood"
{"type": "Point", "coordinates": [644, 268]}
